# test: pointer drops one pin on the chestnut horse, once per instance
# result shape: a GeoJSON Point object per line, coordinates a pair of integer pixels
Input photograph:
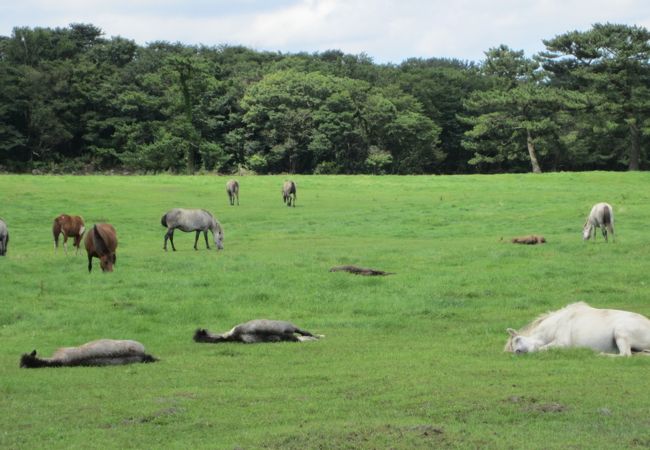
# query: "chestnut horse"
{"type": "Point", "coordinates": [69, 226]}
{"type": "Point", "coordinates": [101, 242]}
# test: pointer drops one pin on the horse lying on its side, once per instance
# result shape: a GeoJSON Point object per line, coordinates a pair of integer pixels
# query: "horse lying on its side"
{"type": "Point", "coordinates": [259, 330]}
{"type": "Point", "coordinates": [360, 270]}
{"type": "Point", "coordinates": [580, 325]}
{"type": "Point", "coordinates": [103, 352]}
{"type": "Point", "coordinates": [529, 240]}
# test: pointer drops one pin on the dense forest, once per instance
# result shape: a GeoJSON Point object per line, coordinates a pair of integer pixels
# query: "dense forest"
{"type": "Point", "coordinates": [72, 100]}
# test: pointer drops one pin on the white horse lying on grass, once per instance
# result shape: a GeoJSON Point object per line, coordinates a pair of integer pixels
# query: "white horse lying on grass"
{"type": "Point", "coordinates": [580, 325]}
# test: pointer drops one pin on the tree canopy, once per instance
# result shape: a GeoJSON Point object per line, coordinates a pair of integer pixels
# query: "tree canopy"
{"type": "Point", "coordinates": [72, 100]}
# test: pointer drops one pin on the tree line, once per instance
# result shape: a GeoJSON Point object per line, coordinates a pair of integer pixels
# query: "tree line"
{"type": "Point", "coordinates": [72, 100]}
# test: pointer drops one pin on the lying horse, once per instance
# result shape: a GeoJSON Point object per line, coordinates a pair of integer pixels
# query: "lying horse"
{"type": "Point", "coordinates": [580, 325]}
{"type": "Point", "coordinates": [103, 352]}
{"type": "Point", "coordinates": [360, 270]}
{"type": "Point", "coordinates": [4, 237]}
{"type": "Point", "coordinates": [69, 226]}
{"type": "Point", "coordinates": [601, 216]}
{"type": "Point", "coordinates": [192, 220]}
{"type": "Point", "coordinates": [259, 330]}
{"type": "Point", "coordinates": [529, 240]}
{"type": "Point", "coordinates": [232, 189]}
{"type": "Point", "coordinates": [101, 242]}
{"type": "Point", "coordinates": [289, 193]}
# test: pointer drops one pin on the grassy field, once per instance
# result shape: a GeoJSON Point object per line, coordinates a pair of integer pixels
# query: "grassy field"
{"type": "Point", "coordinates": [413, 360]}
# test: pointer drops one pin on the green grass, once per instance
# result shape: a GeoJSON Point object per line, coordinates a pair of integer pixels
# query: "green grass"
{"type": "Point", "coordinates": [413, 360]}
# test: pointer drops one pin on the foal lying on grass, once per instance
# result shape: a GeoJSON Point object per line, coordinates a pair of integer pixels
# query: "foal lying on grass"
{"type": "Point", "coordinates": [258, 330]}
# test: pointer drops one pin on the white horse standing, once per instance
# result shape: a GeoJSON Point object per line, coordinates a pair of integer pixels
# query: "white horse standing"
{"type": "Point", "coordinates": [580, 325]}
{"type": "Point", "coordinates": [601, 216]}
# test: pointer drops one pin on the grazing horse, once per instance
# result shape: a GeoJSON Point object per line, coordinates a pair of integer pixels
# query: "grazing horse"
{"type": "Point", "coordinates": [289, 193]}
{"type": "Point", "coordinates": [4, 237]}
{"type": "Point", "coordinates": [258, 330]}
{"type": "Point", "coordinates": [192, 220]}
{"type": "Point", "coordinates": [101, 242]}
{"type": "Point", "coordinates": [601, 216]}
{"type": "Point", "coordinates": [103, 352]}
{"type": "Point", "coordinates": [580, 325]}
{"type": "Point", "coordinates": [69, 226]}
{"type": "Point", "coordinates": [232, 188]}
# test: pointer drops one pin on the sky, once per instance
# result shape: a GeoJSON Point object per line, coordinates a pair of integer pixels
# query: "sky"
{"type": "Point", "coordinates": [388, 31]}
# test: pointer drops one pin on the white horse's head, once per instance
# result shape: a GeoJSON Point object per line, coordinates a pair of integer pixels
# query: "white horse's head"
{"type": "Point", "coordinates": [521, 344]}
{"type": "Point", "coordinates": [586, 231]}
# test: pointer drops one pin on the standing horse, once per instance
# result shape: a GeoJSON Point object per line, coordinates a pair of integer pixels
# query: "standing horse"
{"type": "Point", "coordinates": [232, 189]}
{"type": "Point", "coordinates": [192, 220]}
{"type": "Point", "coordinates": [289, 193]}
{"type": "Point", "coordinates": [580, 325]}
{"type": "Point", "coordinates": [103, 352]}
{"type": "Point", "coordinates": [258, 330]}
{"type": "Point", "coordinates": [601, 216]}
{"type": "Point", "coordinates": [4, 237]}
{"type": "Point", "coordinates": [69, 226]}
{"type": "Point", "coordinates": [101, 242]}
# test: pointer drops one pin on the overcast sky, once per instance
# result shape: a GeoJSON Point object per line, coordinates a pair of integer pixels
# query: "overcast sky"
{"type": "Point", "coordinates": [389, 31]}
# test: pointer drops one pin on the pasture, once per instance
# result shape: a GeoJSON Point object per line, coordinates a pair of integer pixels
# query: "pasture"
{"type": "Point", "coordinates": [411, 360]}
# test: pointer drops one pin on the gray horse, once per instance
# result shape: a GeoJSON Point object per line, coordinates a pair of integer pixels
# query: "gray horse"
{"type": "Point", "coordinates": [289, 193]}
{"type": "Point", "coordinates": [232, 189]}
{"type": "Point", "coordinates": [258, 330]}
{"type": "Point", "coordinates": [192, 220]}
{"type": "Point", "coordinates": [4, 237]}
{"type": "Point", "coordinates": [103, 352]}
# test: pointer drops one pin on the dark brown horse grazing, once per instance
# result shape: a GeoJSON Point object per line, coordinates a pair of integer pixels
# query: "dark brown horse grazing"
{"type": "Point", "coordinates": [289, 193]}
{"type": "Point", "coordinates": [101, 242]}
{"type": "Point", "coordinates": [103, 352]}
{"type": "Point", "coordinates": [69, 226]}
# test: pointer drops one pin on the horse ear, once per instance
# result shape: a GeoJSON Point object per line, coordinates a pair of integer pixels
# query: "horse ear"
{"type": "Point", "coordinates": [33, 353]}
{"type": "Point", "coordinates": [512, 332]}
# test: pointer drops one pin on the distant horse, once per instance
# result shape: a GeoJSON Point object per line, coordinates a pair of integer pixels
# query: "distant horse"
{"type": "Point", "coordinates": [360, 270]}
{"type": "Point", "coordinates": [69, 226]}
{"type": "Point", "coordinates": [529, 240]}
{"type": "Point", "coordinates": [103, 352]}
{"type": "Point", "coordinates": [4, 237]}
{"type": "Point", "coordinates": [258, 330]}
{"type": "Point", "coordinates": [192, 220]}
{"type": "Point", "coordinates": [101, 242]}
{"type": "Point", "coordinates": [232, 189]}
{"type": "Point", "coordinates": [289, 193]}
{"type": "Point", "coordinates": [601, 216]}
{"type": "Point", "coordinates": [580, 325]}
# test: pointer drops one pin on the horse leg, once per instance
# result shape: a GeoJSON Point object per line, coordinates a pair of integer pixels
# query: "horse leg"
{"type": "Point", "coordinates": [169, 235]}
{"type": "Point", "coordinates": [90, 263]}
{"type": "Point", "coordinates": [604, 231]}
{"type": "Point", "coordinates": [196, 239]}
{"type": "Point", "coordinates": [65, 244]}
{"type": "Point", "coordinates": [205, 235]}
{"type": "Point", "coordinates": [237, 199]}
{"type": "Point", "coordinates": [623, 344]}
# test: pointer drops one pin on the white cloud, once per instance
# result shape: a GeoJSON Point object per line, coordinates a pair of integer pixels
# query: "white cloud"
{"type": "Point", "coordinates": [387, 30]}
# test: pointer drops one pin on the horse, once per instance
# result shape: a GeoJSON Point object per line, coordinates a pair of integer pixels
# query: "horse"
{"type": "Point", "coordinates": [360, 271]}
{"type": "Point", "coordinates": [232, 189]}
{"type": "Point", "coordinates": [580, 325]}
{"type": "Point", "coordinates": [101, 242]}
{"type": "Point", "coordinates": [601, 216]}
{"type": "Point", "coordinates": [192, 220]}
{"type": "Point", "coordinates": [529, 240]}
{"type": "Point", "coordinates": [258, 330]}
{"type": "Point", "coordinates": [289, 193]}
{"type": "Point", "coordinates": [102, 352]}
{"type": "Point", "coordinates": [4, 237]}
{"type": "Point", "coordinates": [69, 226]}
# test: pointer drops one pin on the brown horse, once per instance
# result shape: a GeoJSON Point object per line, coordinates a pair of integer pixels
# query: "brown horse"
{"type": "Point", "coordinates": [69, 226]}
{"type": "Point", "coordinates": [101, 242]}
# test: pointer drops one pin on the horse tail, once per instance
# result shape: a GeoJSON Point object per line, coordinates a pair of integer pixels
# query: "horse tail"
{"type": "Point", "coordinates": [163, 220]}
{"type": "Point", "coordinates": [607, 215]}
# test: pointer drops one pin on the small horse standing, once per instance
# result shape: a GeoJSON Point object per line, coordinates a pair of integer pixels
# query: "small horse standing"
{"type": "Point", "coordinates": [232, 188]}
{"type": "Point", "coordinates": [289, 193]}
{"type": "Point", "coordinates": [192, 220]}
{"type": "Point", "coordinates": [258, 330]}
{"type": "Point", "coordinates": [4, 237]}
{"type": "Point", "coordinates": [601, 216]}
{"type": "Point", "coordinates": [69, 226]}
{"type": "Point", "coordinates": [580, 325]}
{"type": "Point", "coordinates": [101, 242]}
{"type": "Point", "coordinates": [102, 352]}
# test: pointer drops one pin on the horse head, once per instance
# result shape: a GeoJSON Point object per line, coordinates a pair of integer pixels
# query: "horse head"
{"type": "Point", "coordinates": [217, 234]}
{"type": "Point", "coordinates": [107, 261]}
{"type": "Point", "coordinates": [586, 231]}
{"type": "Point", "coordinates": [519, 344]}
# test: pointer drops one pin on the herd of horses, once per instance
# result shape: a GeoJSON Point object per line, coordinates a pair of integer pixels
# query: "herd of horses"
{"type": "Point", "coordinates": [576, 325]}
